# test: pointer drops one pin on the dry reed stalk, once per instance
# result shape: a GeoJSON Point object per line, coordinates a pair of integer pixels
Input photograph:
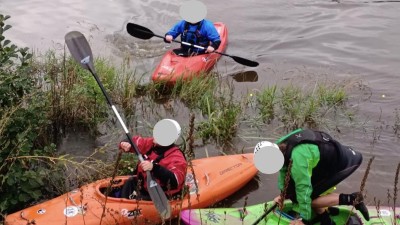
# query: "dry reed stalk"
{"type": "Point", "coordinates": [377, 207]}
{"type": "Point", "coordinates": [190, 153]}
{"type": "Point", "coordinates": [396, 181]}
{"type": "Point", "coordinates": [283, 193]}
{"type": "Point", "coordinates": [363, 182]}
{"type": "Point", "coordinates": [242, 216]}
{"type": "Point", "coordinates": [362, 186]}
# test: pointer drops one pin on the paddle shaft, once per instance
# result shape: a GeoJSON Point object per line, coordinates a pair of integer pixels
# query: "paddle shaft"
{"type": "Point", "coordinates": [144, 33]}
{"type": "Point", "coordinates": [151, 184]}
{"type": "Point", "coordinates": [80, 50]}
{"type": "Point", "coordinates": [192, 45]}
{"type": "Point", "coordinates": [117, 114]}
{"type": "Point", "coordinates": [265, 214]}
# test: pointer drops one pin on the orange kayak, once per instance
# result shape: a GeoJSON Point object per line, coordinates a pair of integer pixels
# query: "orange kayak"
{"type": "Point", "coordinates": [217, 178]}
{"type": "Point", "coordinates": [173, 67]}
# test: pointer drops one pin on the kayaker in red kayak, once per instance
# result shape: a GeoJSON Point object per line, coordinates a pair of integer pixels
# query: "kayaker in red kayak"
{"type": "Point", "coordinates": [194, 29]}
{"type": "Point", "coordinates": [319, 163]}
{"type": "Point", "coordinates": [166, 163]}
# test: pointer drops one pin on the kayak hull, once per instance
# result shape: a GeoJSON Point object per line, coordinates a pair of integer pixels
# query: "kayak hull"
{"type": "Point", "coordinates": [173, 67]}
{"type": "Point", "coordinates": [240, 216]}
{"type": "Point", "coordinates": [217, 178]}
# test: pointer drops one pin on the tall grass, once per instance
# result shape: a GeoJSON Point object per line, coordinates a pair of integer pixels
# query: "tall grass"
{"type": "Point", "coordinates": [296, 107]}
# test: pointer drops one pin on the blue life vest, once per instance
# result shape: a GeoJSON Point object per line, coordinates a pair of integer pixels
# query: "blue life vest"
{"type": "Point", "coordinates": [194, 37]}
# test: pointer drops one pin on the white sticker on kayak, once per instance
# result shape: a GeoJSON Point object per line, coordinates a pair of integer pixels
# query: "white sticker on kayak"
{"type": "Point", "coordinates": [71, 211]}
{"type": "Point", "coordinates": [132, 213]}
{"type": "Point", "coordinates": [384, 212]}
{"type": "Point", "coordinates": [190, 183]}
{"type": "Point", "coordinates": [41, 211]}
{"type": "Point", "coordinates": [167, 68]}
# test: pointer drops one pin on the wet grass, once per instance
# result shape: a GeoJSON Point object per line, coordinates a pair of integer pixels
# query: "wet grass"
{"type": "Point", "coordinates": [77, 101]}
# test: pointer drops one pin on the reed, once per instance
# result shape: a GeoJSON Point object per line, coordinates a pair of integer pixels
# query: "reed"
{"type": "Point", "coordinates": [395, 189]}
{"type": "Point", "coordinates": [266, 101]}
{"type": "Point", "coordinates": [362, 186]}
{"type": "Point", "coordinates": [286, 185]}
{"type": "Point", "coordinates": [364, 179]}
{"type": "Point", "coordinates": [377, 204]}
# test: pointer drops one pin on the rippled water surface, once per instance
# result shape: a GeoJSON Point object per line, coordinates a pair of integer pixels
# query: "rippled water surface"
{"type": "Point", "coordinates": [357, 40]}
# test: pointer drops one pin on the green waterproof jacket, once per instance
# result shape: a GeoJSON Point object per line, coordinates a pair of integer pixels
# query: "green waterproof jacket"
{"type": "Point", "coordinates": [304, 158]}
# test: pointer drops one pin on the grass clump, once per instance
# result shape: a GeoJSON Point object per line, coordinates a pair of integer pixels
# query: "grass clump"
{"type": "Point", "coordinates": [294, 107]}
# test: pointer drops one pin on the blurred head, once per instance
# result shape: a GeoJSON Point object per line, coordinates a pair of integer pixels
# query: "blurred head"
{"type": "Point", "coordinates": [268, 158]}
{"type": "Point", "coordinates": [193, 11]}
{"type": "Point", "coordinates": [166, 132]}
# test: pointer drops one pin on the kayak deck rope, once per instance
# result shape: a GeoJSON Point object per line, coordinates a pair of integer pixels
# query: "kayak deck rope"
{"type": "Point", "coordinates": [29, 222]}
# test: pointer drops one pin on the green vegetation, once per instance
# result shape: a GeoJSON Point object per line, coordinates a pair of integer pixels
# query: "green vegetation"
{"type": "Point", "coordinates": [45, 97]}
{"type": "Point", "coordinates": [39, 100]}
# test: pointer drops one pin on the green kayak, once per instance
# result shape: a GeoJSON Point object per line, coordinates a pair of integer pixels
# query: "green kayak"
{"type": "Point", "coordinates": [342, 215]}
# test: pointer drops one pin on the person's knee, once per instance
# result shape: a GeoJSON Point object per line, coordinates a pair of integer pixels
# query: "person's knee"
{"type": "Point", "coordinates": [319, 210]}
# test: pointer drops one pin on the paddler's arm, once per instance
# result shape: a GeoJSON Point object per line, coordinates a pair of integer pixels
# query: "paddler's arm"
{"type": "Point", "coordinates": [165, 176]}
{"type": "Point", "coordinates": [304, 158]}
{"type": "Point", "coordinates": [213, 36]}
{"type": "Point", "coordinates": [175, 31]}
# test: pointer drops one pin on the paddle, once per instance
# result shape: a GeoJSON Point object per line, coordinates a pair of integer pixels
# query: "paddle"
{"type": "Point", "coordinates": [144, 33]}
{"type": "Point", "coordinates": [81, 52]}
{"type": "Point", "coordinates": [265, 214]}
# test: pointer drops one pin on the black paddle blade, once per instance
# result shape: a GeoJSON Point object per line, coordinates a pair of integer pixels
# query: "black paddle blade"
{"type": "Point", "coordinates": [244, 61]}
{"type": "Point", "coordinates": [80, 49]}
{"type": "Point", "coordinates": [159, 198]}
{"type": "Point", "coordinates": [139, 31]}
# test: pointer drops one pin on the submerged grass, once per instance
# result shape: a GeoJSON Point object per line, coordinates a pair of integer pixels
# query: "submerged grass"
{"type": "Point", "coordinates": [295, 107]}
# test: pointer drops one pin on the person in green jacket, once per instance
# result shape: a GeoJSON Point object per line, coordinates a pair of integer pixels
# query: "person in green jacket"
{"type": "Point", "coordinates": [319, 163]}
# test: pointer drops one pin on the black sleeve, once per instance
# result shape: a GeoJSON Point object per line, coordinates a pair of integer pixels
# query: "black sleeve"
{"type": "Point", "coordinates": [165, 176]}
{"type": "Point", "coordinates": [216, 44]}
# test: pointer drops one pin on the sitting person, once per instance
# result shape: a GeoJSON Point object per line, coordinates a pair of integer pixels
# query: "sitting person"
{"type": "Point", "coordinates": [167, 165]}
{"type": "Point", "coordinates": [318, 164]}
{"type": "Point", "coordinates": [194, 29]}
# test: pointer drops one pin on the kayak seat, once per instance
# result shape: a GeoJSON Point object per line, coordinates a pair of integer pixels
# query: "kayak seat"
{"type": "Point", "coordinates": [129, 190]}
{"type": "Point", "coordinates": [115, 192]}
{"type": "Point", "coordinates": [183, 53]}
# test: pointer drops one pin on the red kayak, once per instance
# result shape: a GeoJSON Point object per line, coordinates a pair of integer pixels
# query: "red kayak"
{"type": "Point", "coordinates": [173, 67]}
